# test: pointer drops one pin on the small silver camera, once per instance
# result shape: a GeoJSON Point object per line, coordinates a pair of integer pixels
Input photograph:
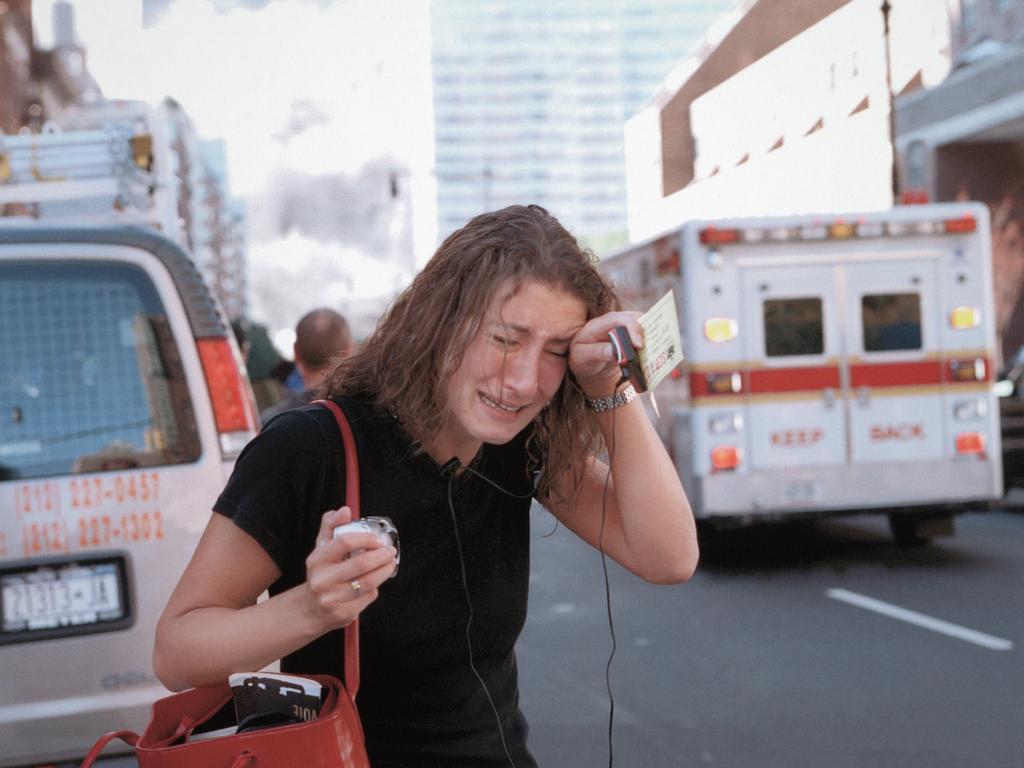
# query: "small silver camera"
{"type": "Point", "coordinates": [381, 527]}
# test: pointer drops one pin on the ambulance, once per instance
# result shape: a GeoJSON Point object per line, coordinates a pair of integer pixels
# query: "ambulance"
{"type": "Point", "coordinates": [834, 364]}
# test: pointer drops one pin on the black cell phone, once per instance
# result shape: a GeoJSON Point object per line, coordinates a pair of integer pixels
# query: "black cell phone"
{"type": "Point", "coordinates": [627, 358]}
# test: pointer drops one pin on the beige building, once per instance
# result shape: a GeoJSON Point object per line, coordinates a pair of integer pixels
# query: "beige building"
{"type": "Point", "coordinates": [801, 127]}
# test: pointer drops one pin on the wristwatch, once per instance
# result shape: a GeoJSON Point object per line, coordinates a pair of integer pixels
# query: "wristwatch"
{"type": "Point", "coordinates": [610, 403]}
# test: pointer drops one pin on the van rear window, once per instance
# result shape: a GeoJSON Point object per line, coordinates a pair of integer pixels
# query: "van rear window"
{"type": "Point", "coordinates": [91, 378]}
{"type": "Point", "coordinates": [793, 327]}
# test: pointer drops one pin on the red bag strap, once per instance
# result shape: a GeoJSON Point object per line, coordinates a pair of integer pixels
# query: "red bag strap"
{"type": "Point", "coordinates": [128, 737]}
{"type": "Point", "coordinates": [352, 501]}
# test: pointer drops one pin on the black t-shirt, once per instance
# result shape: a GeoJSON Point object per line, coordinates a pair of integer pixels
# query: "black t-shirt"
{"type": "Point", "coordinates": [419, 699]}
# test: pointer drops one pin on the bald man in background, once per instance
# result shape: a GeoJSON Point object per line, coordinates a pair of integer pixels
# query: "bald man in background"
{"type": "Point", "coordinates": [322, 339]}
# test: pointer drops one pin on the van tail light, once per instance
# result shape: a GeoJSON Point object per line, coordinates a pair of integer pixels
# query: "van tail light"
{"type": "Point", "coordinates": [233, 406]}
{"type": "Point", "coordinates": [724, 457]}
{"type": "Point", "coordinates": [970, 443]}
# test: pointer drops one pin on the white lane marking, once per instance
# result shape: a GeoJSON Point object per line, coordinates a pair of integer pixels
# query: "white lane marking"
{"type": "Point", "coordinates": [920, 620]}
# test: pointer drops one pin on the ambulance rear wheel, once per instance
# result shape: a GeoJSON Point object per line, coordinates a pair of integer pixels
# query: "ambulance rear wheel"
{"type": "Point", "coordinates": [910, 530]}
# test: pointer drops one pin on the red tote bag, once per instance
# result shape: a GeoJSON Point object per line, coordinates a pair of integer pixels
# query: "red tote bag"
{"type": "Point", "coordinates": [173, 737]}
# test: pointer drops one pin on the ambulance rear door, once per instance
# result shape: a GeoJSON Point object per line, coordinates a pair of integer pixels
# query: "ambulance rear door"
{"type": "Point", "coordinates": [793, 379]}
{"type": "Point", "coordinates": [895, 363]}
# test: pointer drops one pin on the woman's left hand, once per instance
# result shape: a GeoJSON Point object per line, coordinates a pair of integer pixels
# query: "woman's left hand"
{"type": "Point", "coordinates": [592, 357]}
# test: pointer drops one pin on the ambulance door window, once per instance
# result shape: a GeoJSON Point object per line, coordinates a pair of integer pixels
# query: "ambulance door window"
{"type": "Point", "coordinates": [793, 327]}
{"type": "Point", "coordinates": [891, 321]}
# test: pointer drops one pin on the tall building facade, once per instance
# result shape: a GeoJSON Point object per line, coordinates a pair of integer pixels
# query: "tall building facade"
{"type": "Point", "coordinates": [530, 97]}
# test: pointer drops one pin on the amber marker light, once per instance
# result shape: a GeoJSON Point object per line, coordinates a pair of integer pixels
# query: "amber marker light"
{"type": "Point", "coordinates": [720, 328]}
{"type": "Point", "coordinates": [964, 317]}
{"type": "Point", "coordinates": [840, 230]}
{"type": "Point", "coordinates": [968, 370]}
{"type": "Point", "coordinates": [730, 383]}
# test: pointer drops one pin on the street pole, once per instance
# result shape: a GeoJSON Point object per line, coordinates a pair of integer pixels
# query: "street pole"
{"type": "Point", "coordinates": [886, 7]}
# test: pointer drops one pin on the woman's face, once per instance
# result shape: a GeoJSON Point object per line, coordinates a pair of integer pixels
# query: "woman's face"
{"type": "Point", "coordinates": [512, 368]}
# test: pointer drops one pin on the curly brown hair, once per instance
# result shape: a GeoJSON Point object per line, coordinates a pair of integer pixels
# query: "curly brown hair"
{"type": "Point", "coordinates": [405, 365]}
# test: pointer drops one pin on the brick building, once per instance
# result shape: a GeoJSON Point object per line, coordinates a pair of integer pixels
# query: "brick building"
{"type": "Point", "coordinates": [16, 96]}
{"type": "Point", "coordinates": [964, 139]}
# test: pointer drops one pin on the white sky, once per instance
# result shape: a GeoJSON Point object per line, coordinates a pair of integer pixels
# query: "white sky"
{"type": "Point", "coordinates": [363, 64]}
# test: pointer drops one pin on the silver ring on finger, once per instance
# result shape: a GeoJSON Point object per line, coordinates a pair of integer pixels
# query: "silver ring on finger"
{"type": "Point", "coordinates": [357, 587]}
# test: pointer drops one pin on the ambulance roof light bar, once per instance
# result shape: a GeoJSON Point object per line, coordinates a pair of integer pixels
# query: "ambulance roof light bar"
{"type": "Point", "coordinates": [837, 230]}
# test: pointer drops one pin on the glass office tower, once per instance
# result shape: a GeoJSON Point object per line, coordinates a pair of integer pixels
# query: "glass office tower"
{"type": "Point", "coordinates": [530, 99]}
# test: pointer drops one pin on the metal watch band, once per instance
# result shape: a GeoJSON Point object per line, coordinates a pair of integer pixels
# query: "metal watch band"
{"type": "Point", "coordinates": [602, 404]}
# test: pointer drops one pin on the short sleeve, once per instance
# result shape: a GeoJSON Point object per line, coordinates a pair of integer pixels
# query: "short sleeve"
{"type": "Point", "coordinates": [276, 491]}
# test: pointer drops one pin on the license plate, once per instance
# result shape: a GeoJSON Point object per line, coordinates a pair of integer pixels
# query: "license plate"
{"type": "Point", "coordinates": [58, 599]}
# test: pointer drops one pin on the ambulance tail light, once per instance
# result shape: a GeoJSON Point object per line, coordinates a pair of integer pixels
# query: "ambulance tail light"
{"type": "Point", "coordinates": [963, 225]}
{"type": "Point", "coordinates": [964, 317]}
{"type": "Point", "coordinates": [720, 329]}
{"type": "Point", "coordinates": [968, 370]}
{"type": "Point", "coordinates": [970, 443]}
{"type": "Point", "coordinates": [724, 458]}
{"type": "Point", "coordinates": [715, 236]}
{"type": "Point", "coordinates": [724, 383]}
{"type": "Point", "coordinates": [233, 408]}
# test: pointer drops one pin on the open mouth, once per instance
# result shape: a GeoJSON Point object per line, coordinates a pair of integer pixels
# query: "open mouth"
{"type": "Point", "coordinates": [500, 406]}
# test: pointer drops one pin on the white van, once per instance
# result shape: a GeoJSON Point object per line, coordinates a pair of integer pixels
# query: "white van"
{"type": "Point", "coordinates": [123, 403]}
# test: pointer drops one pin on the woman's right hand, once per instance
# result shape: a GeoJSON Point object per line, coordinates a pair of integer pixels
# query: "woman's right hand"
{"type": "Point", "coordinates": [339, 584]}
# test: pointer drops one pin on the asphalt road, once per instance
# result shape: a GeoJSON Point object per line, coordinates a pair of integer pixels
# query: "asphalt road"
{"type": "Point", "coordinates": [753, 663]}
